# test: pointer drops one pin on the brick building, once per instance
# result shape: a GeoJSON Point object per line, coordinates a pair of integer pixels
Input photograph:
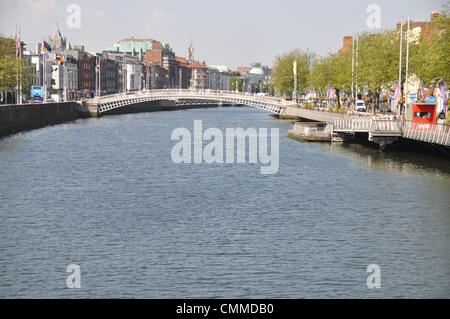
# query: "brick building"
{"type": "Point", "coordinates": [109, 76]}
{"type": "Point", "coordinates": [86, 74]}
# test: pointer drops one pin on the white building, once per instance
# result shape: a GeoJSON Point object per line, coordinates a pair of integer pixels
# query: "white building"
{"type": "Point", "coordinates": [71, 75]}
{"type": "Point", "coordinates": [199, 78]}
{"type": "Point", "coordinates": [223, 78]}
{"type": "Point", "coordinates": [254, 79]}
{"type": "Point", "coordinates": [130, 71]}
{"type": "Point", "coordinates": [134, 76]}
{"type": "Point", "coordinates": [212, 78]}
{"type": "Point", "coordinates": [64, 79]}
{"type": "Point", "coordinates": [57, 77]}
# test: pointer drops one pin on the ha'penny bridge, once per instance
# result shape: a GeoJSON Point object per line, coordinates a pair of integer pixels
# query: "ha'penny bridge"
{"type": "Point", "coordinates": [380, 129]}
{"type": "Point", "coordinates": [108, 103]}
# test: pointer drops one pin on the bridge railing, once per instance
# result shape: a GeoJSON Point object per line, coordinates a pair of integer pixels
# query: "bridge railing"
{"type": "Point", "coordinates": [353, 124]}
{"type": "Point", "coordinates": [113, 101]}
{"type": "Point", "coordinates": [383, 125]}
{"type": "Point", "coordinates": [190, 92]}
{"type": "Point", "coordinates": [427, 132]}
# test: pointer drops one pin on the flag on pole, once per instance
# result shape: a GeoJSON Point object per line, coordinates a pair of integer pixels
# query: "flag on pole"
{"type": "Point", "coordinates": [295, 68]}
{"type": "Point", "coordinates": [61, 58]}
{"type": "Point", "coordinates": [46, 47]}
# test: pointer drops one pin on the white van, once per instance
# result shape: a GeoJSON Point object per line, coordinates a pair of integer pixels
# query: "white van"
{"type": "Point", "coordinates": [360, 106]}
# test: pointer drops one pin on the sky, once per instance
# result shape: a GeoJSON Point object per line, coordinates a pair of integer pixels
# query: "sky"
{"type": "Point", "coordinates": [227, 32]}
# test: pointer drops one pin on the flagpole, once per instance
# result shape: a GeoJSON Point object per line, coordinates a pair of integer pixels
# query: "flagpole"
{"type": "Point", "coordinates": [400, 67]}
{"type": "Point", "coordinates": [356, 68]}
{"type": "Point", "coordinates": [44, 70]}
{"type": "Point", "coordinates": [407, 65]}
{"type": "Point", "coordinates": [295, 80]}
{"type": "Point", "coordinates": [17, 68]}
{"type": "Point", "coordinates": [63, 64]}
{"type": "Point", "coordinates": [353, 65]}
{"type": "Point", "coordinates": [20, 66]}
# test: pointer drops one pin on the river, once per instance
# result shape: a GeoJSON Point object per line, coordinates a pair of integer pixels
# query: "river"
{"type": "Point", "coordinates": [104, 194]}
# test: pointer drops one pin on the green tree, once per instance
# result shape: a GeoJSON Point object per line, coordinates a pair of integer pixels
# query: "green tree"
{"type": "Point", "coordinates": [236, 81]}
{"type": "Point", "coordinates": [429, 57]}
{"type": "Point", "coordinates": [11, 68]}
{"type": "Point", "coordinates": [378, 61]}
{"type": "Point", "coordinates": [283, 75]}
{"type": "Point", "coordinates": [378, 58]}
{"type": "Point", "coordinates": [329, 71]}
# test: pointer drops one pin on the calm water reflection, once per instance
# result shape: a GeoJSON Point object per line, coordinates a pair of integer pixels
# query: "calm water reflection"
{"type": "Point", "coordinates": [395, 161]}
{"type": "Point", "coordinates": [104, 194]}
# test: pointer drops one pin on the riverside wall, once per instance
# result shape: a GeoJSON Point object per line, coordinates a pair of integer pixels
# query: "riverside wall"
{"type": "Point", "coordinates": [17, 118]}
{"type": "Point", "coordinates": [23, 117]}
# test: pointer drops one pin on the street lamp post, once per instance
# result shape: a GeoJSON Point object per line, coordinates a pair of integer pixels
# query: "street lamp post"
{"type": "Point", "coordinates": [399, 107]}
{"type": "Point", "coordinates": [97, 75]}
{"type": "Point", "coordinates": [407, 64]}
{"type": "Point", "coordinates": [148, 77]}
{"type": "Point", "coordinates": [353, 67]}
{"type": "Point", "coordinates": [125, 77]}
{"type": "Point", "coordinates": [44, 76]}
{"type": "Point", "coordinates": [295, 80]}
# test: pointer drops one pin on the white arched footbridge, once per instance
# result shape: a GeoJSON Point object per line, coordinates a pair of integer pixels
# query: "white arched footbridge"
{"type": "Point", "coordinates": [110, 102]}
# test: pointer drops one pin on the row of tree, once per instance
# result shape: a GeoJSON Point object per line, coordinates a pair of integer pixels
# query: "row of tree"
{"type": "Point", "coordinates": [377, 63]}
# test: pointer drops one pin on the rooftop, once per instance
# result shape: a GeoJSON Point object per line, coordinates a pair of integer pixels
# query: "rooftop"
{"type": "Point", "coordinates": [256, 71]}
{"type": "Point", "coordinates": [132, 39]}
{"type": "Point", "coordinates": [221, 68]}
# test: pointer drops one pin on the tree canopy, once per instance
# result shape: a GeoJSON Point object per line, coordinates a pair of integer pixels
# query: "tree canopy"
{"type": "Point", "coordinates": [10, 67]}
{"type": "Point", "coordinates": [283, 75]}
{"type": "Point", "coordinates": [377, 63]}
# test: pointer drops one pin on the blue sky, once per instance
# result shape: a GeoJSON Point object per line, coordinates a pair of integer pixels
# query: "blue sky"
{"type": "Point", "coordinates": [228, 32]}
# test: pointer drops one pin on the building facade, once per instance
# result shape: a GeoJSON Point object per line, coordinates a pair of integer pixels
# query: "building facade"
{"type": "Point", "coordinates": [134, 47]}
{"type": "Point", "coordinates": [224, 75]}
{"type": "Point", "coordinates": [199, 75]}
{"type": "Point", "coordinates": [64, 78]}
{"type": "Point", "coordinates": [86, 74]}
{"type": "Point", "coordinates": [130, 71]}
{"type": "Point", "coordinates": [109, 76]}
{"type": "Point", "coordinates": [184, 73]}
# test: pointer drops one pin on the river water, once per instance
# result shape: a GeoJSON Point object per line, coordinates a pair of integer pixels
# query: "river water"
{"type": "Point", "coordinates": [104, 194]}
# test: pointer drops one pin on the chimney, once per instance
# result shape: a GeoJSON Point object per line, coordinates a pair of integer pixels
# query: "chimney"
{"type": "Point", "coordinates": [347, 41]}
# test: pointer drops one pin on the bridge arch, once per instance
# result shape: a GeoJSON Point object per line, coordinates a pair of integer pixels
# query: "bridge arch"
{"type": "Point", "coordinates": [110, 102]}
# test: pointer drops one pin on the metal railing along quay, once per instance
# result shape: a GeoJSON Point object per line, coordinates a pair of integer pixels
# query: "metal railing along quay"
{"type": "Point", "coordinates": [435, 133]}
{"type": "Point", "coordinates": [352, 124]}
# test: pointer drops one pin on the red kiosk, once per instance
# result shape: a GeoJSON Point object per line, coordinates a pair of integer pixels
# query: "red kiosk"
{"type": "Point", "coordinates": [424, 113]}
{"type": "Point", "coordinates": [421, 116]}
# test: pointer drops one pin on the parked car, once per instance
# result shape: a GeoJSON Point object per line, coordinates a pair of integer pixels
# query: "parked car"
{"type": "Point", "coordinates": [360, 106]}
{"type": "Point", "coordinates": [34, 101]}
